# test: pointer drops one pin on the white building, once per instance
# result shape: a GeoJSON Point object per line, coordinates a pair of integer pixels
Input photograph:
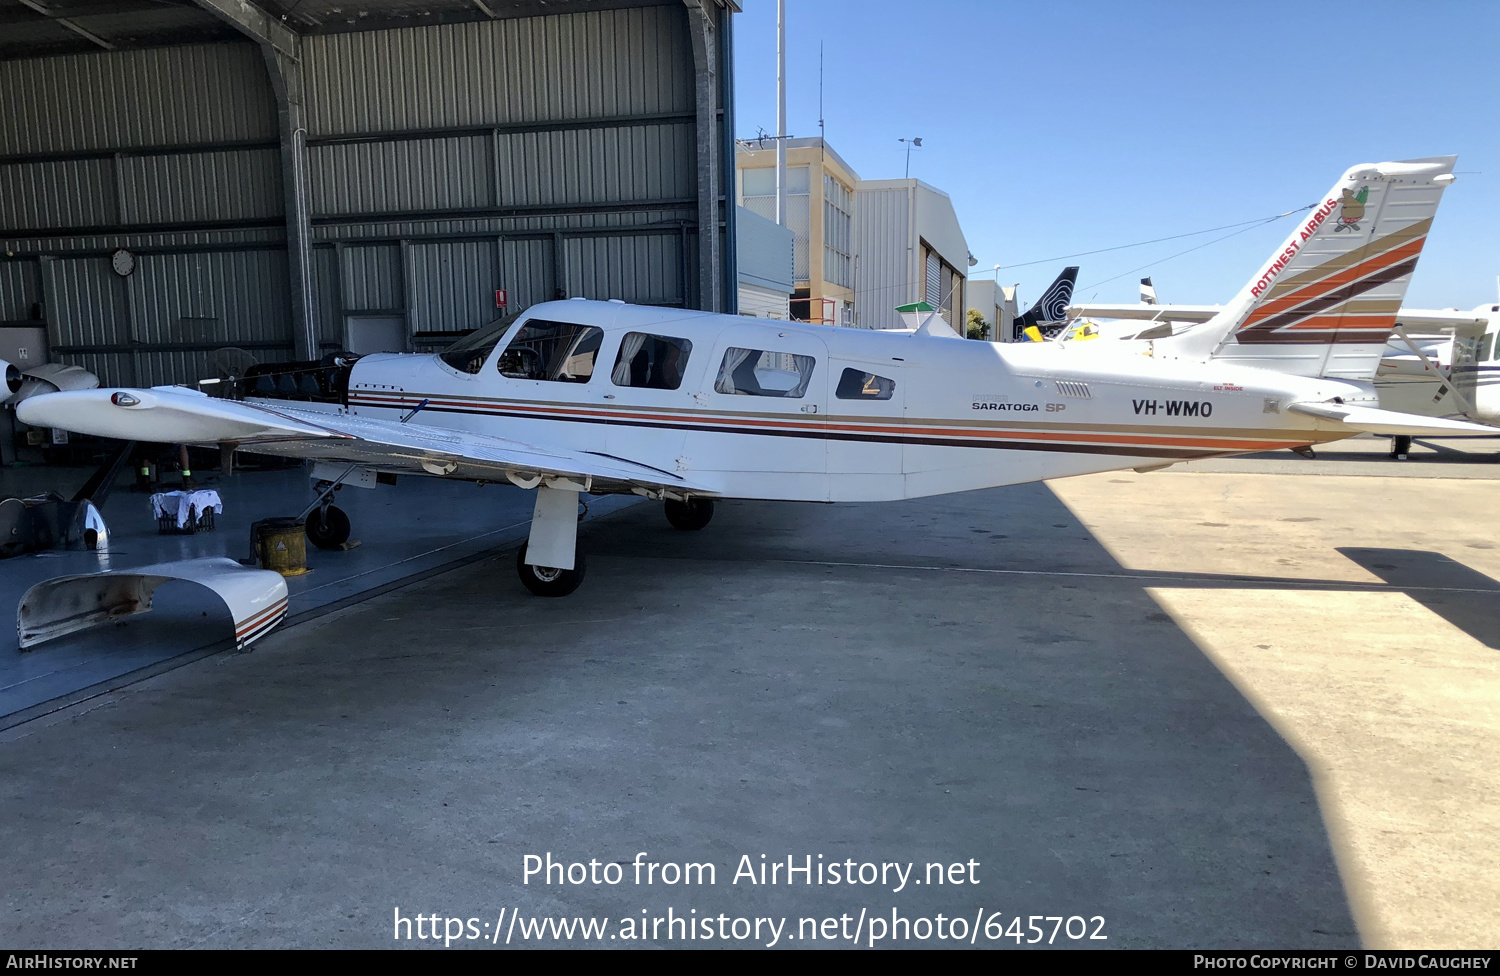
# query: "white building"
{"type": "Point", "coordinates": [996, 304]}
{"type": "Point", "coordinates": [908, 248]}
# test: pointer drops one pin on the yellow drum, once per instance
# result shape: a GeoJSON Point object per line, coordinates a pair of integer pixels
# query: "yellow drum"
{"type": "Point", "coordinates": [280, 544]}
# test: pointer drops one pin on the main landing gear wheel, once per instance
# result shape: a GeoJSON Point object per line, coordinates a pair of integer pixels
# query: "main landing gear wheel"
{"type": "Point", "coordinates": [327, 528]}
{"type": "Point", "coordinates": [546, 581]}
{"type": "Point", "coordinates": [691, 515]}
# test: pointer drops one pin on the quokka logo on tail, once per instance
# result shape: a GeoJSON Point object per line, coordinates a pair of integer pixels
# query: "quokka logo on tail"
{"type": "Point", "coordinates": [1353, 209]}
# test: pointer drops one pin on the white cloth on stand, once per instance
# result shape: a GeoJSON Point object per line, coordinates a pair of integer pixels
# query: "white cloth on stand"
{"type": "Point", "coordinates": [175, 504]}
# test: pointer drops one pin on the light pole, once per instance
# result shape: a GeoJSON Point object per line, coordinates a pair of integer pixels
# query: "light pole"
{"type": "Point", "coordinates": [781, 112]}
{"type": "Point", "coordinates": [909, 144]}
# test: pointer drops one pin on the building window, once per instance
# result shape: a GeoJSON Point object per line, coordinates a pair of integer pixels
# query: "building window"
{"type": "Point", "coordinates": [651, 361]}
{"type": "Point", "coordinates": [838, 235]}
{"type": "Point", "coordinates": [561, 352]}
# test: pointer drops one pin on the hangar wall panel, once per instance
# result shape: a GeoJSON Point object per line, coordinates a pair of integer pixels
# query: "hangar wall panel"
{"type": "Point", "coordinates": [571, 66]}
{"type": "Point", "coordinates": [603, 165]}
{"type": "Point", "coordinates": [124, 99]}
{"type": "Point", "coordinates": [89, 306]}
{"type": "Point", "coordinates": [373, 278]}
{"type": "Point", "coordinates": [453, 285]}
{"type": "Point", "coordinates": [19, 290]}
{"type": "Point", "coordinates": [327, 289]}
{"type": "Point", "coordinates": [528, 271]}
{"type": "Point", "coordinates": [212, 297]}
{"type": "Point", "coordinates": [242, 184]}
{"type": "Point", "coordinates": [417, 174]}
{"type": "Point", "coordinates": [57, 193]}
{"type": "Point", "coordinates": [645, 270]}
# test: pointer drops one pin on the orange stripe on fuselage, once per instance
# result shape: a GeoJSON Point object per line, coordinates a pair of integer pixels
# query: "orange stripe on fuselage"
{"type": "Point", "coordinates": [752, 425]}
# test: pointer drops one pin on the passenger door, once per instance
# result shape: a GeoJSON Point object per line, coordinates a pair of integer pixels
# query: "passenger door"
{"type": "Point", "coordinates": [763, 404]}
{"type": "Point", "coordinates": [864, 424]}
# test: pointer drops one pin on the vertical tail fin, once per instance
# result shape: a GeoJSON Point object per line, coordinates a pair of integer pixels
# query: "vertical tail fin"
{"type": "Point", "coordinates": [1148, 292]}
{"type": "Point", "coordinates": [1052, 308]}
{"type": "Point", "coordinates": [1326, 301]}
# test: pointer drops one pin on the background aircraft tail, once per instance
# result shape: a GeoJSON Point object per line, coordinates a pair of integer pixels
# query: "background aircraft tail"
{"type": "Point", "coordinates": [1326, 301]}
{"type": "Point", "coordinates": [1051, 309]}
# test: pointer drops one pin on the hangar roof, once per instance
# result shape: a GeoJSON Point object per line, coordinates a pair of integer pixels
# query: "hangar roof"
{"type": "Point", "coordinates": [40, 28]}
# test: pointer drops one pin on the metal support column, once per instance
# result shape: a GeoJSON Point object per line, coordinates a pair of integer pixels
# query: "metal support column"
{"type": "Point", "coordinates": [701, 26]}
{"type": "Point", "coordinates": [286, 82]}
{"type": "Point", "coordinates": [281, 47]}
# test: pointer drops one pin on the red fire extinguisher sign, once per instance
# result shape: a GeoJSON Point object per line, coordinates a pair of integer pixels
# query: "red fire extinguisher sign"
{"type": "Point", "coordinates": [500, 298]}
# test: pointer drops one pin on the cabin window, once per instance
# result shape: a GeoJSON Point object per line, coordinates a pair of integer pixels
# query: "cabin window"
{"type": "Point", "coordinates": [651, 361]}
{"type": "Point", "coordinates": [468, 354]}
{"type": "Point", "coordinates": [856, 384]}
{"type": "Point", "coordinates": [757, 372]}
{"type": "Point", "coordinates": [1487, 347]}
{"type": "Point", "coordinates": [561, 352]}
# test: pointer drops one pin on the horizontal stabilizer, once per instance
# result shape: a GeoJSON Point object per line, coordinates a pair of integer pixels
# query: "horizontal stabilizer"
{"type": "Point", "coordinates": [1375, 421]}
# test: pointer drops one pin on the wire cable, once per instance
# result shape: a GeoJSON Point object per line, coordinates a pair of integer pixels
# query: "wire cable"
{"type": "Point", "coordinates": [1196, 247]}
{"type": "Point", "coordinates": [1175, 237]}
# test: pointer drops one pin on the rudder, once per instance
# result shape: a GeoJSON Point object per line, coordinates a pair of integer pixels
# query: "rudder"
{"type": "Point", "coordinates": [1326, 301]}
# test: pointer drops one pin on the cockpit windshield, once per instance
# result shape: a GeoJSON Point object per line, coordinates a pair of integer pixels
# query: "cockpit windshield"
{"type": "Point", "coordinates": [469, 353]}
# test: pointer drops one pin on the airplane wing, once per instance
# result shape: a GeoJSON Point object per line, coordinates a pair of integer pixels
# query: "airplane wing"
{"type": "Point", "coordinates": [1415, 319]}
{"type": "Point", "coordinates": [1149, 313]}
{"type": "Point", "coordinates": [182, 416]}
{"type": "Point", "coordinates": [1373, 420]}
{"type": "Point", "coordinates": [1428, 320]}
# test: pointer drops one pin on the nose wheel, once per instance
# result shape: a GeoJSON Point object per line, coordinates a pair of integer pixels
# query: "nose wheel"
{"type": "Point", "coordinates": [691, 515]}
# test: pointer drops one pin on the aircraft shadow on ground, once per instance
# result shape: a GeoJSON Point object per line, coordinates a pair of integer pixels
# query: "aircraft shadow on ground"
{"type": "Point", "coordinates": [776, 684]}
{"type": "Point", "coordinates": [1117, 764]}
{"type": "Point", "coordinates": [1466, 598]}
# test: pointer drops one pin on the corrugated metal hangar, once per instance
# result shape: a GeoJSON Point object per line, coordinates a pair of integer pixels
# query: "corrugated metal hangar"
{"type": "Point", "coordinates": [292, 177]}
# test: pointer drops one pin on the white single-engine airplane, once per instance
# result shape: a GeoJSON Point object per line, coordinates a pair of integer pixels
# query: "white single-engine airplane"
{"type": "Point", "coordinates": [689, 407]}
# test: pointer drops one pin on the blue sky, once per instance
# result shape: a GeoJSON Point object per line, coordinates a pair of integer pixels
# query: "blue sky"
{"type": "Point", "coordinates": [1062, 127]}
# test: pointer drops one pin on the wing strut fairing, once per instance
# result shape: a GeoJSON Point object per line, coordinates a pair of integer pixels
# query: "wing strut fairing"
{"type": "Point", "coordinates": [256, 598]}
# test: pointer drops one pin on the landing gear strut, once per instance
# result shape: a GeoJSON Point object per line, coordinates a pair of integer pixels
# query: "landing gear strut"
{"type": "Point", "coordinates": [691, 515]}
{"type": "Point", "coordinates": [550, 563]}
{"type": "Point", "coordinates": [326, 524]}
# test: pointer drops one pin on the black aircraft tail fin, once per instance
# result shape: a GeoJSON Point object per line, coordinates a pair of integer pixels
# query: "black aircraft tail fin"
{"type": "Point", "coordinates": [1051, 309]}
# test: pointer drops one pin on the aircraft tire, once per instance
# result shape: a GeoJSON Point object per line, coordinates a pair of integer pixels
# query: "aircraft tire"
{"type": "Point", "coordinates": [691, 515]}
{"type": "Point", "coordinates": [328, 528]}
{"type": "Point", "coordinates": [545, 581]}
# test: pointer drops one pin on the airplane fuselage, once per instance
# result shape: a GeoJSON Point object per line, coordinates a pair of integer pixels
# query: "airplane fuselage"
{"type": "Point", "coordinates": [881, 416]}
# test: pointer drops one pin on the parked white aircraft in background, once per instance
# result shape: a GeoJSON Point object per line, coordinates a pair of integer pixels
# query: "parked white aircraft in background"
{"type": "Point", "coordinates": [578, 396]}
{"type": "Point", "coordinates": [1437, 362]}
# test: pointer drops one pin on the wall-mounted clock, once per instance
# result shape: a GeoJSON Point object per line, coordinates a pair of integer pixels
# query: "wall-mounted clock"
{"type": "Point", "coordinates": [123, 262]}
